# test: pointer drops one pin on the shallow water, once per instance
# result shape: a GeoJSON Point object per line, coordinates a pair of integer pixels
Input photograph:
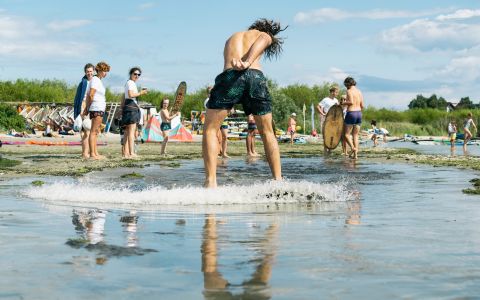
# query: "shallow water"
{"type": "Point", "coordinates": [472, 150]}
{"type": "Point", "coordinates": [334, 229]}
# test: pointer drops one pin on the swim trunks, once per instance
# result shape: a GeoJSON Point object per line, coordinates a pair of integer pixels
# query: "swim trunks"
{"type": "Point", "coordinates": [165, 126]}
{"type": "Point", "coordinates": [248, 87]}
{"type": "Point", "coordinates": [353, 118]}
{"type": "Point", "coordinates": [130, 113]}
{"type": "Point", "coordinates": [94, 114]}
{"type": "Point", "coordinates": [252, 126]}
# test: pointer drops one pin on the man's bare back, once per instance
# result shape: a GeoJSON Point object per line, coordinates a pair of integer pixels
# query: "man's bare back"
{"type": "Point", "coordinates": [244, 49]}
{"type": "Point", "coordinates": [354, 99]}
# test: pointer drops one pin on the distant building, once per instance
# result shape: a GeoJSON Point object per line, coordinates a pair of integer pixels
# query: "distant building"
{"type": "Point", "coordinates": [451, 106]}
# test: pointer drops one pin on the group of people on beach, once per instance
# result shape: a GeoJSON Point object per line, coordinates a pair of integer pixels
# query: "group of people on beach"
{"type": "Point", "coordinates": [90, 105]}
{"type": "Point", "coordinates": [241, 82]}
{"type": "Point", "coordinates": [467, 132]}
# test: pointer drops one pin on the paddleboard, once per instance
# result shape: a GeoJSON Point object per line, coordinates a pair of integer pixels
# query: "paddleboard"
{"type": "Point", "coordinates": [333, 127]}
{"type": "Point", "coordinates": [179, 97]}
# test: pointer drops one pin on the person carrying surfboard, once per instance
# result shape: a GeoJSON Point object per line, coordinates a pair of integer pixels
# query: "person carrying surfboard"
{"type": "Point", "coordinates": [325, 105]}
{"type": "Point", "coordinates": [166, 124]}
{"type": "Point", "coordinates": [242, 81]}
{"type": "Point", "coordinates": [353, 117]}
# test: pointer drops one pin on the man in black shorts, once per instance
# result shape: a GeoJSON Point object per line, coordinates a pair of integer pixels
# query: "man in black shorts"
{"type": "Point", "coordinates": [242, 81]}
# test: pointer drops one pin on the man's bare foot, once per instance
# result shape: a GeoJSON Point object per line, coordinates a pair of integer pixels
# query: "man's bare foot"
{"type": "Point", "coordinates": [225, 156]}
{"type": "Point", "coordinates": [97, 157]}
{"type": "Point", "coordinates": [255, 154]}
{"type": "Point", "coordinates": [210, 184]}
{"type": "Point", "coordinates": [85, 156]}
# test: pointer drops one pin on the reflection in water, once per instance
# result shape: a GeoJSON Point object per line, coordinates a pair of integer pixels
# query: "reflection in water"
{"type": "Point", "coordinates": [90, 226]}
{"type": "Point", "coordinates": [129, 223]}
{"type": "Point", "coordinates": [215, 286]}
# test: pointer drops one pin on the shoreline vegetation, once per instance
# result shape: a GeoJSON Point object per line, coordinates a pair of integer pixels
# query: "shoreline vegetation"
{"type": "Point", "coordinates": [66, 161]}
{"type": "Point", "coordinates": [424, 116]}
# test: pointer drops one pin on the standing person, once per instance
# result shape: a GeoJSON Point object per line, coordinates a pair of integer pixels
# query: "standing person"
{"type": "Point", "coordinates": [96, 104]}
{"type": "Point", "coordinates": [252, 130]}
{"type": "Point", "coordinates": [452, 135]}
{"type": "Point", "coordinates": [166, 124]}
{"type": "Point", "coordinates": [224, 139]}
{"type": "Point", "coordinates": [242, 81]}
{"type": "Point", "coordinates": [131, 114]}
{"type": "Point", "coordinates": [353, 117]}
{"type": "Point", "coordinates": [466, 130]}
{"type": "Point", "coordinates": [292, 126]}
{"type": "Point", "coordinates": [324, 106]}
{"type": "Point", "coordinates": [80, 103]}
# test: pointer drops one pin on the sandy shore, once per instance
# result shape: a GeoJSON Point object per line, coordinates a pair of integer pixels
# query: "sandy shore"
{"type": "Point", "coordinates": [66, 160]}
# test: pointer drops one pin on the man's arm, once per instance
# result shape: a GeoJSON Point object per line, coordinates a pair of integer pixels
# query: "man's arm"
{"type": "Point", "coordinates": [262, 42]}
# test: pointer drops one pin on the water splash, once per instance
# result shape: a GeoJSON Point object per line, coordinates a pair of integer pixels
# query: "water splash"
{"type": "Point", "coordinates": [269, 192]}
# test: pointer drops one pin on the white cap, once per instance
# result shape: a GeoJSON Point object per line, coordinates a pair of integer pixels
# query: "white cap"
{"type": "Point", "coordinates": [293, 114]}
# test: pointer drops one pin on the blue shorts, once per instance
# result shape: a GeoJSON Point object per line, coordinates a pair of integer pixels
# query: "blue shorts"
{"type": "Point", "coordinates": [353, 118]}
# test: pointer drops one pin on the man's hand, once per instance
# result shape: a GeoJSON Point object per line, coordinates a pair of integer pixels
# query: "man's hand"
{"type": "Point", "coordinates": [239, 65]}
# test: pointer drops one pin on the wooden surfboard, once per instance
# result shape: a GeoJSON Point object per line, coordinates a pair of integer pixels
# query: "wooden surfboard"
{"type": "Point", "coordinates": [333, 127]}
{"type": "Point", "coordinates": [179, 97]}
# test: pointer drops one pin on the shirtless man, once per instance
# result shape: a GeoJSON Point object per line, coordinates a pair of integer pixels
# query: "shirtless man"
{"type": "Point", "coordinates": [242, 81]}
{"type": "Point", "coordinates": [353, 117]}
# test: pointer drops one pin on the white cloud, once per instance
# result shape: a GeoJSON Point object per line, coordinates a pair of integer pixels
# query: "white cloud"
{"type": "Point", "coordinates": [68, 24]}
{"type": "Point", "coordinates": [333, 14]}
{"type": "Point", "coordinates": [146, 5]}
{"type": "Point", "coordinates": [460, 14]}
{"type": "Point", "coordinates": [26, 38]}
{"type": "Point", "coordinates": [424, 35]}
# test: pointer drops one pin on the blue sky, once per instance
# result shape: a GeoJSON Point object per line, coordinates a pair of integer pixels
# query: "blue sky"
{"type": "Point", "coordinates": [395, 49]}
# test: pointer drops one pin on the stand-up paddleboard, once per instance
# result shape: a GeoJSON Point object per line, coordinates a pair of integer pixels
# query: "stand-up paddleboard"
{"type": "Point", "coordinates": [179, 97]}
{"type": "Point", "coordinates": [333, 127]}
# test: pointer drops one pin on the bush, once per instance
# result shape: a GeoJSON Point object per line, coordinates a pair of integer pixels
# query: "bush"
{"type": "Point", "coordinates": [10, 119]}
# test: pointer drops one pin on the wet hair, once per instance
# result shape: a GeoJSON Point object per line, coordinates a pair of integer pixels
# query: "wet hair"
{"type": "Point", "coordinates": [132, 70]}
{"type": "Point", "coordinates": [89, 65]}
{"type": "Point", "coordinates": [349, 81]}
{"type": "Point", "coordinates": [333, 89]}
{"type": "Point", "coordinates": [272, 28]}
{"type": "Point", "coordinates": [102, 66]}
{"type": "Point", "coordinates": [374, 123]}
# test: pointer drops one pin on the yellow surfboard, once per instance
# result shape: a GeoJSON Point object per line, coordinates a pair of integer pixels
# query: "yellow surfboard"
{"type": "Point", "coordinates": [333, 127]}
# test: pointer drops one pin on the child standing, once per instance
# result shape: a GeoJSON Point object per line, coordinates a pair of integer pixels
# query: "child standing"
{"type": "Point", "coordinates": [452, 135]}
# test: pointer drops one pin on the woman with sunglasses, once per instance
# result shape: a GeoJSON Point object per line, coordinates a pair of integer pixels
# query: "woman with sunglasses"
{"type": "Point", "coordinates": [96, 104]}
{"type": "Point", "coordinates": [131, 111]}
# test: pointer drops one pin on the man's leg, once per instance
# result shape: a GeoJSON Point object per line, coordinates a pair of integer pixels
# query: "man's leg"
{"type": "Point", "coordinates": [210, 145]}
{"type": "Point", "coordinates": [348, 136]}
{"type": "Point", "coordinates": [270, 144]}
{"type": "Point", "coordinates": [356, 131]}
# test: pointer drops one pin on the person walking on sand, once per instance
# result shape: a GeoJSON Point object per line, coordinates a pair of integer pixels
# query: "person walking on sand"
{"type": "Point", "coordinates": [96, 104]}
{"type": "Point", "coordinates": [166, 124]}
{"type": "Point", "coordinates": [452, 135]}
{"type": "Point", "coordinates": [80, 103]}
{"type": "Point", "coordinates": [353, 117]}
{"type": "Point", "coordinates": [292, 126]}
{"type": "Point", "coordinates": [131, 114]}
{"type": "Point", "coordinates": [242, 81]}
{"type": "Point", "coordinates": [324, 106]}
{"type": "Point", "coordinates": [250, 140]}
{"type": "Point", "coordinates": [466, 130]}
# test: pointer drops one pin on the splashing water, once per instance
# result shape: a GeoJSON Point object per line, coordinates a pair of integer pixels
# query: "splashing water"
{"type": "Point", "coordinates": [270, 192]}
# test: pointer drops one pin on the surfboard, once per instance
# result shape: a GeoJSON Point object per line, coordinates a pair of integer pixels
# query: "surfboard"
{"type": "Point", "coordinates": [333, 127]}
{"type": "Point", "coordinates": [179, 97]}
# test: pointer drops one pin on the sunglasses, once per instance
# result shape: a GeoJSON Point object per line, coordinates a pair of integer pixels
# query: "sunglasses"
{"type": "Point", "coordinates": [137, 74]}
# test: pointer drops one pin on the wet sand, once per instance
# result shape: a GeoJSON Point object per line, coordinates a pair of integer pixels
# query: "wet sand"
{"type": "Point", "coordinates": [67, 161]}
